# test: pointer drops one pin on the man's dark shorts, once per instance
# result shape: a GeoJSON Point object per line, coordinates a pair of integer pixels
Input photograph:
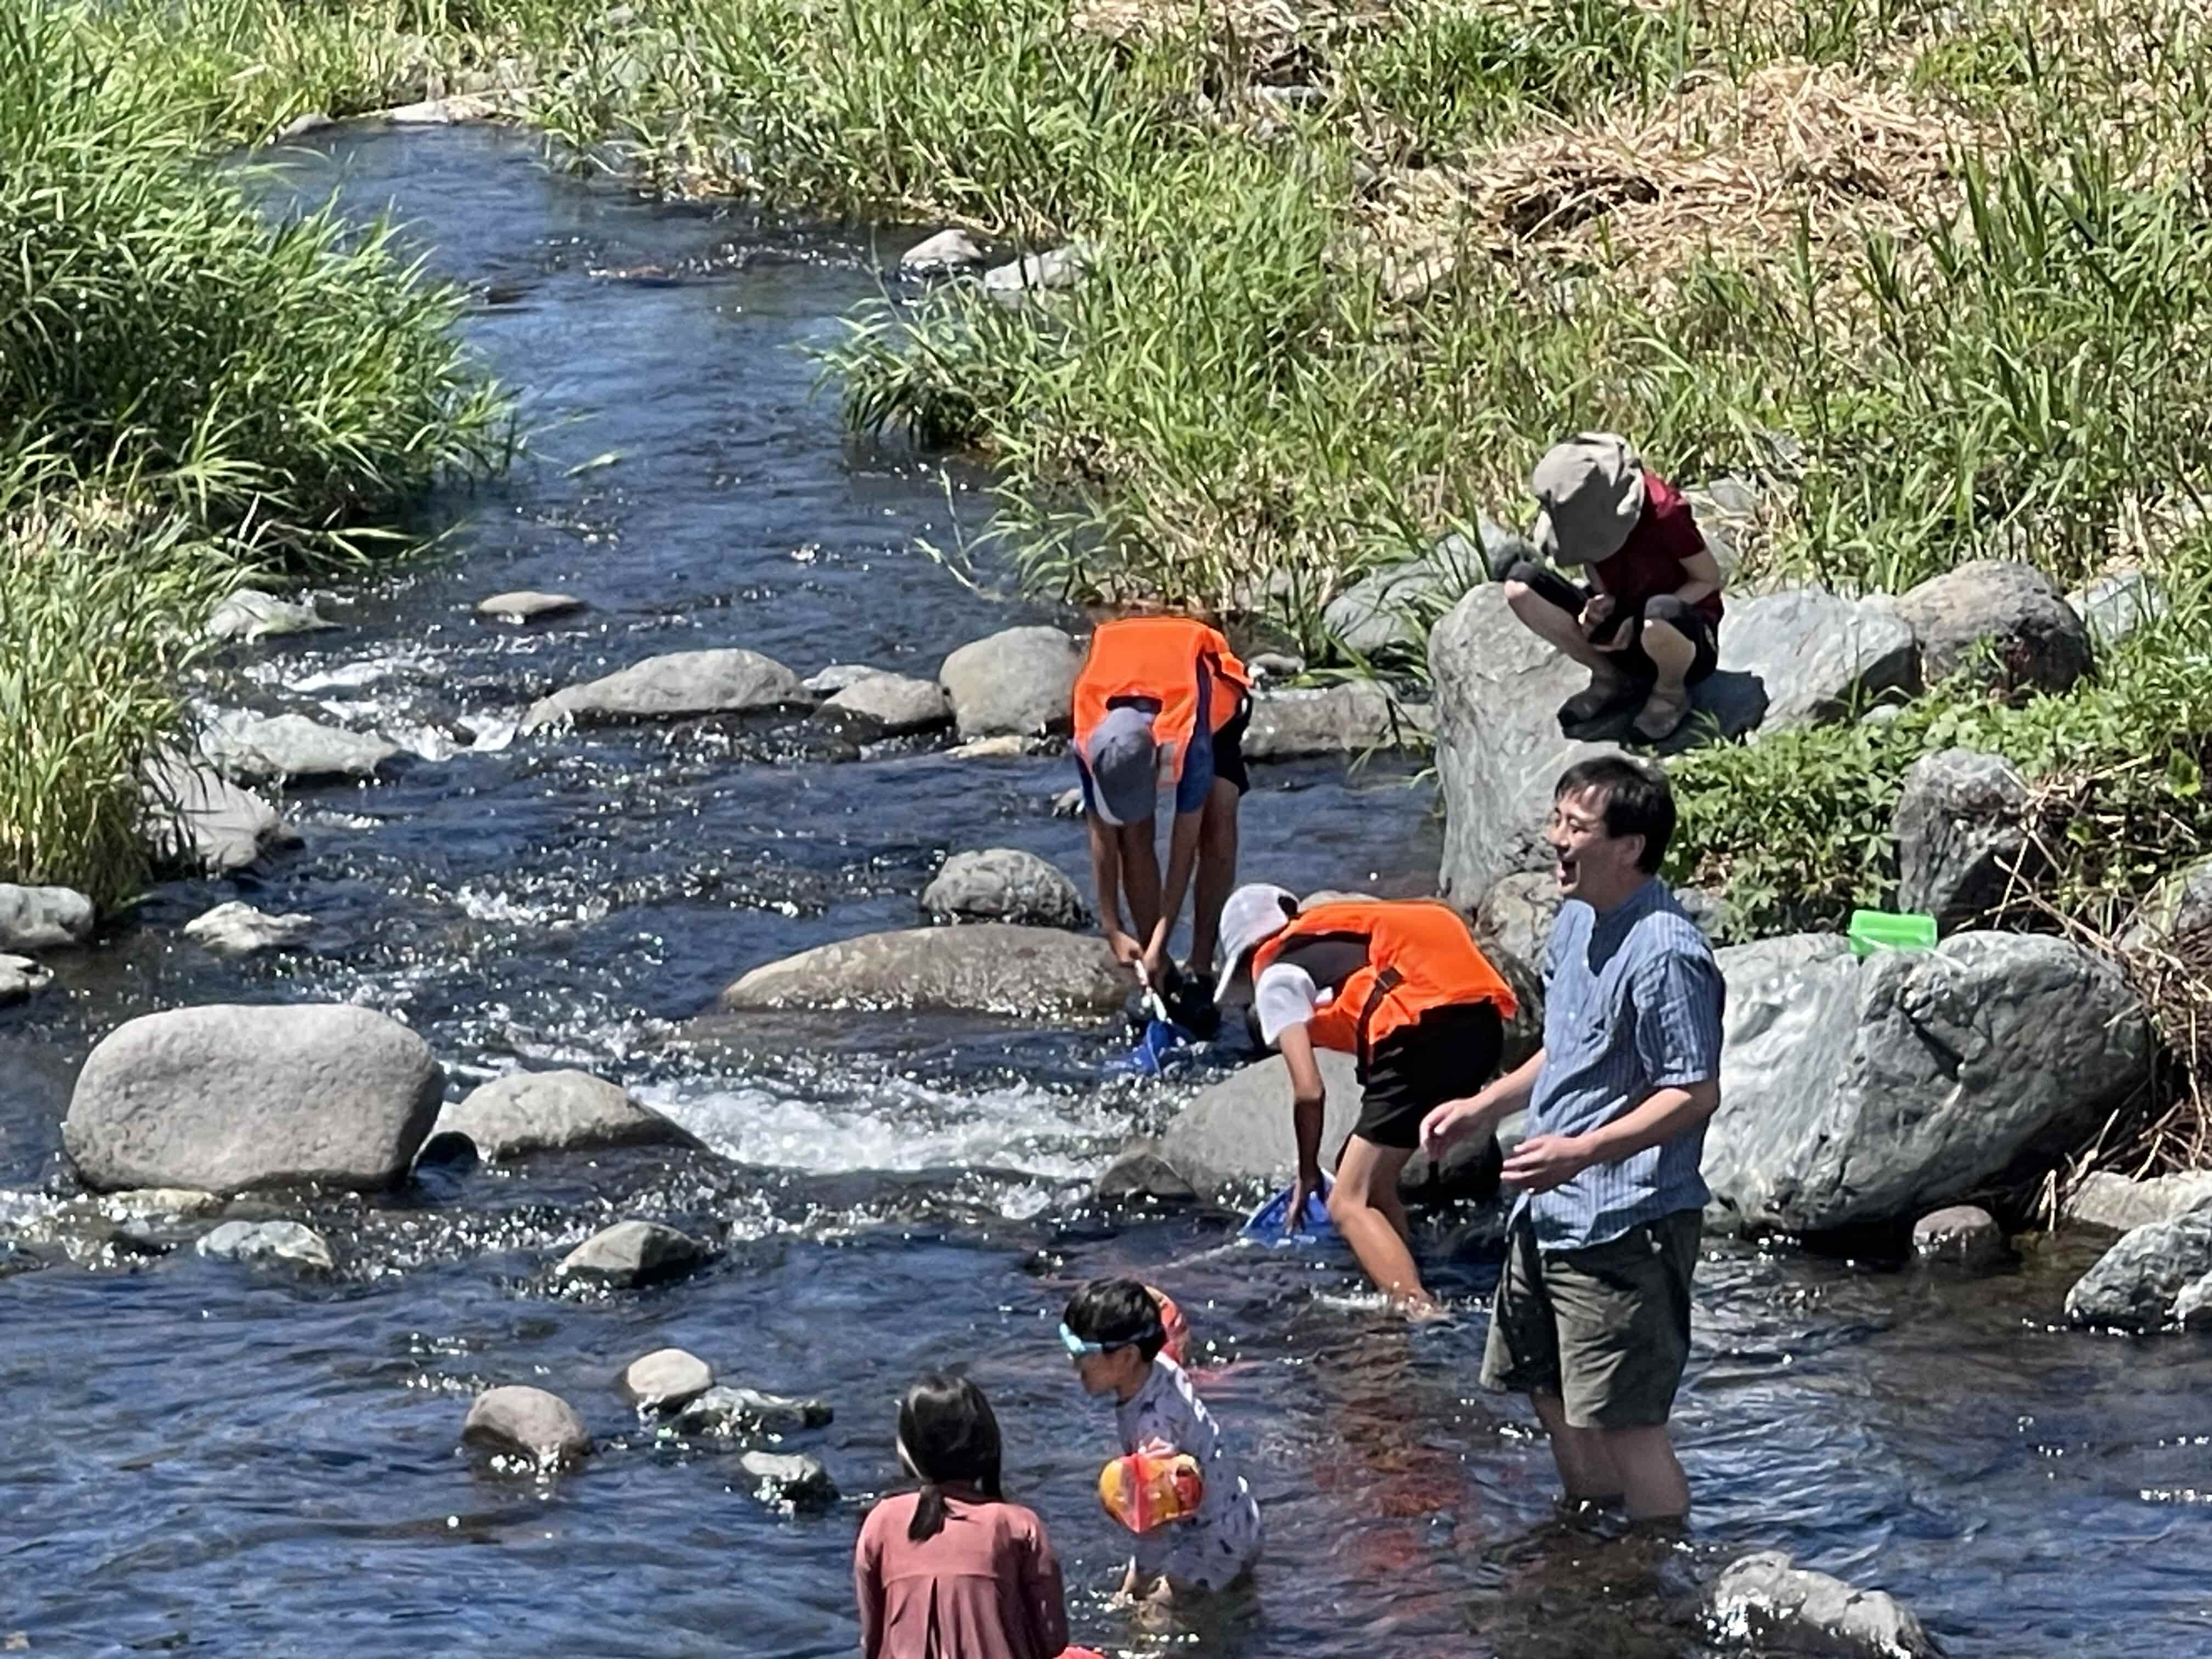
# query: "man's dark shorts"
{"type": "Point", "coordinates": [1446, 1055]}
{"type": "Point", "coordinates": [1688, 621]}
{"type": "Point", "coordinates": [1606, 1328]}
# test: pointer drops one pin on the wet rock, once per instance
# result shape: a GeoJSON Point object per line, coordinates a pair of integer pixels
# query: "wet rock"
{"type": "Point", "coordinates": [1961, 832]}
{"type": "Point", "coordinates": [455, 111]}
{"type": "Point", "coordinates": [1516, 916]}
{"type": "Point", "coordinates": [887, 705]}
{"type": "Point", "coordinates": [1139, 1171]}
{"type": "Point", "coordinates": [1762, 1599]}
{"type": "Point", "coordinates": [2178, 911]}
{"type": "Point", "coordinates": [680, 684]}
{"type": "Point", "coordinates": [1006, 747]}
{"type": "Point", "coordinates": [1818, 655]}
{"type": "Point", "coordinates": [555, 1111]}
{"type": "Point", "coordinates": [141, 1202]}
{"type": "Point", "coordinates": [43, 918]}
{"type": "Point", "coordinates": [224, 1097]}
{"type": "Point", "coordinates": [1962, 1233]}
{"type": "Point", "coordinates": [984, 967]}
{"type": "Point", "coordinates": [1338, 719]}
{"type": "Point", "coordinates": [798, 1478]}
{"type": "Point", "coordinates": [198, 819]}
{"type": "Point", "coordinates": [2193, 1308]}
{"type": "Point", "coordinates": [949, 250]}
{"type": "Point", "coordinates": [1275, 665]}
{"type": "Point", "coordinates": [1060, 268]}
{"type": "Point", "coordinates": [631, 1253]}
{"type": "Point", "coordinates": [21, 979]}
{"type": "Point", "coordinates": [301, 125]}
{"type": "Point", "coordinates": [1857, 1093]}
{"type": "Point", "coordinates": [2116, 604]}
{"type": "Point", "coordinates": [1015, 682]}
{"type": "Point", "coordinates": [1068, 802]}
{"type": "Point", "coordinates": [249, 613]}
{"type": "Point", "coordinates": [287, 1242]}
{"type": "Point", "coordinates": [729, 1413]}
{"type": "Point", "coordinates": [2006, 609]}
{"type": "Point", "coordinates": [1499, 746]}
{"type": "Point", "coordinates": [524, 605]}
{"type": "Point", "coordinates": [237, 929]}
{"type": "Point", "coordinates": [1236, 1138]}
{"type": "Point", "coordinates": [1004, 883]}
{"type": "Point", "coordinates": [837, 676]}
{"type": "Point", "coordinates": [519, 1421]}
{"type": "Point", "coordinates": [247, 749]}
{"type": "Point", "coordinates": [665, 1379]}
{"type": "Point", "coordinates": [2105, 1199]}
{"type": "Point", "coordinates": [2136, 1285]}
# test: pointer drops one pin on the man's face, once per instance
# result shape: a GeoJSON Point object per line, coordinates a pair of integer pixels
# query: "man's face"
{"type": "Point", "coordinates": [1593, 867]}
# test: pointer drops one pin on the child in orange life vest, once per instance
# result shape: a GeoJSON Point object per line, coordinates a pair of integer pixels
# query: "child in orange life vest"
{"type": "Point", "coordinates": [1114, 1333]}
{"type": "Point", "coordinates": [1400, 985]}
{"type": "Point", "coordinates": [1161, 704]}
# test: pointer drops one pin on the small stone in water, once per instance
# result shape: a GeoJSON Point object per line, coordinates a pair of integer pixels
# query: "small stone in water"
{"type": "Point", "coordinates": [666, 1379]}
{"type": "Point", "coordinates": [631, 1253]}
{"type": "Point", "coordinates": [727, 1413]}
{"type": "Point", "coordinates": [237, 929]}
{"type": "Point", "coordinates": [794, 1478]}
{"type": "Point", "coordinates": [520, 1419]}
{"type": "Point", "coordinates": [1963, 1233]}
{"type": "Point", "coordinates": [524, 605]}
{"type": "Point", "coordinates": [268, 1240]}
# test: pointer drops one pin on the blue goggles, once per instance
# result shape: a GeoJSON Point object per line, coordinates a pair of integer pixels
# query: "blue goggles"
{"type": "Point", "coordinates": [1077, 1347]}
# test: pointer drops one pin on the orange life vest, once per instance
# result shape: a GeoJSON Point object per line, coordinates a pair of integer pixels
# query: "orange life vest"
{"type": "Point", "coordinates": [1419, 956]}
{"type": "Point", "coordinates": [1160, 657]}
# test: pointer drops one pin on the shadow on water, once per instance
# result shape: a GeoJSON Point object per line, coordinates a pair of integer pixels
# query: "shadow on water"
{"type": "Point", "coordinates": [211, 1459]}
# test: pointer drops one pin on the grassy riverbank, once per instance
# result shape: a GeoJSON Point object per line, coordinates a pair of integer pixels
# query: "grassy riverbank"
{"type": "Point", "coordinates": [190, 394]}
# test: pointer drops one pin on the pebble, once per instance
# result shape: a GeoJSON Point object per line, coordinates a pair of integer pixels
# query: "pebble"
{"type": "Point", "coordinates": [798, 1478]}
{"type": "Point", "coordinates": [631, 1253]}
{"type": "Point", "coordinates": [1963, 1233]}
{"type": "Point", "coordinates": [268, 1241]}
{"type": "Point", "coordinates": [666, 1379]}
{"type": "Point", "coordinates": [237, 929]}
{"type": "Point", "coordinates": [524, 605]}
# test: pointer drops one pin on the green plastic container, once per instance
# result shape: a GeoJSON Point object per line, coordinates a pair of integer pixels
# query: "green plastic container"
{"type": "Point", "coordinates": [1890, 930]}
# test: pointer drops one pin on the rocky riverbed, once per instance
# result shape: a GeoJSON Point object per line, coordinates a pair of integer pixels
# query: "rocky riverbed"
{"type": "Point", "coordinates": [270, 1385]}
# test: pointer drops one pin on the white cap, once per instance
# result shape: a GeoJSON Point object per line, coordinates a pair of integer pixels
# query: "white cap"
{"type": "Point", "coordinates": [1255, 913]}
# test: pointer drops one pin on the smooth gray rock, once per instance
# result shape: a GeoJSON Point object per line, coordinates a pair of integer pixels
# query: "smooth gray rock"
{"type": "Point", "coordinates": [1236, 1139]}
{"type": "Point", "coordinates": [197, 818]}
{"type": "Point", "coordinates": [729, 1413]}
{"type": "Point", "coordinates": [143, 1202]}
{"type": "Point", "coordinates": [2193, 1308]}
{"type": "Point", "coordinates": [673, 686]}
{"type": "Point", "coordinates": [1516, 915]}
{"type": "Point", "coordinates": [237, 929]}
{"type": "Point", "coordinates": [1818, 654]}
{"type": "Point", "coordinates": [525, 605]}
{"type": "Point", "coordinates": [1349, 719]}
{"type": "Point", "coordinates": [2135, 1285]}
{"type": "Point", "coordinates": [249, 613]}
{"type": "Point", "coordinates": [1060, 268]}
{"type": "Point", "coordinates": [665, 1379]}
{"type": "Point", "coordinates": [301, 125]}
{"type": "Point", "coordinates": [1858, 1093]}
{"type": "Point", "coordinates": [1762, 1599]}
{"type": "Point", "coordinates": [1139, 1171]}
{"type": "Point", "coordinates": [631, 1253]}
{"type": "Point", "coordinates": [1394, 607]}
{"type": "Point", "coordinates": [519, 1421]}
{"type": "Point", "coordinates": [556, 1111]}
{"type": "Point", "coordinates": [1017, 682]}
{"type": "Point", "coordinates": [887, 705]}
{"type": "Point", "coordinates": [837, 676]}
{"type": "Point", "coordinates": [1004, 883]}
{"type": "Point", "coordinates": [227, 1097]}
{"type": "Point", "coordinates": [43, 918]}
{"type": "Point", "coordinates": [798, 1479]}
{"type": "Point", "coordinates": [985, 967]}
{"type": "Point", "coordinates": [287, 1242]}
{"type": "Point", "coordinates": [1961, 831]}
{"type": "Point", "coordinates": [2006, 608]}
{"type": "Point", "coordinates": [2179, 911]}
{"type": "Point", "coordinates": [21, 979]}
{"type": "Point", "coordinates": [1500, 747]}
{"type": "Point", "coordinates": [249, 749]}
{"type": "Point", "coordinates": [2107, 1199]}
{"type": "Point", "coordinates": [2115, 605]}
{"type": "Point", "coordinates": [949, 250]}
{"type": "Point", "coordinates": [1964, 1234]}
{"type": "Point", "coordinates": [1274, 665]}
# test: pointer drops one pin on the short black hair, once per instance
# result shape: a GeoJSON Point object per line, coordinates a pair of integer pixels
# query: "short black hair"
{"type": "Point", "coordinates": [1638, 801]}
{"type": "Point", "coordinates": [1120, 1313]}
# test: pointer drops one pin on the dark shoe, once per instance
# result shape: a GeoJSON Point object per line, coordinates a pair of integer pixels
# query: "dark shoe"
{"type": "Point", "coordinates": [1663, 716]}
{"type": "Point", "coordinates": [1604, 690]}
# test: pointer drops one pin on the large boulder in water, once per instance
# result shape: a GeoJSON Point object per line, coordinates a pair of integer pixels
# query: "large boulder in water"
{"type": "Point", "coordinates": [198, 819]}
{"type": "Point", "coordinates": [1004, 883]}
{"type": "Point", "coordinates": [671, 687]}
{"type": "Point", "coordinates": [1236, 1139]}
{"type": "Point", "coordinates": [1763, 1600]}
{"type": "Point", "coordinates": [2137, 1285]}
{"type": "Point", "coordinates": [249, 748]}
{"type": "Point", "coordinates": [1861, 1093]}
{"type": "Point", "coordinates": [986, 967]}
{"type": "Point", "coordinates": [2010, 611]}
{"type": "Point", "coordinates": [227, 1097]}
{"type": "Point", "coordinates": [1017, 682]}
{"type": "Point", "coordinates": [556, 1111]}
{"type": "Point", "coordinates": [43, 918]}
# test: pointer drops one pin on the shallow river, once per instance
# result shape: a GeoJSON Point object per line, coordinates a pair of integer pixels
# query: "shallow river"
{"type": "Point", "coordinates": [203, 1459]}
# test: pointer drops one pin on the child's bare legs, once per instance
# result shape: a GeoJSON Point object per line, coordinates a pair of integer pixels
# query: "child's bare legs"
{"type": "Point", "coordinates": [1365, 1207]}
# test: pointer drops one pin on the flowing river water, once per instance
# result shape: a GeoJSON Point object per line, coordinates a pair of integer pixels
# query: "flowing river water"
{"type": "Point", "coordinates": [206, 1459]}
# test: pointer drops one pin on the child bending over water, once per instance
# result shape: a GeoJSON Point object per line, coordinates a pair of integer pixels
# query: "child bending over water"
{"type": "Point", "coordinates": [954, 1568]}
{"type": "Point", "coordinates": [1114, 1333]}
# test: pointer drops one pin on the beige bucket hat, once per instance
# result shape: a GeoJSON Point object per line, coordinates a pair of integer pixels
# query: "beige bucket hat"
{"type": "Point", "coordinates": [1591, 490]}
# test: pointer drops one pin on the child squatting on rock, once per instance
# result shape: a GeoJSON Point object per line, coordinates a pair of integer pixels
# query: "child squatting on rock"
{"type": "Point", "coordinates": [955, 1569]}
{"type": "Point", "coordinates": [1114, 1331]}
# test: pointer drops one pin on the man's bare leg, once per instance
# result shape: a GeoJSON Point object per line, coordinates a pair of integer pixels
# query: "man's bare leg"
{"type": "Point", "coordinates": [1651, 1479]}
{"type": "Point", "coordinates": [1584, 1456]}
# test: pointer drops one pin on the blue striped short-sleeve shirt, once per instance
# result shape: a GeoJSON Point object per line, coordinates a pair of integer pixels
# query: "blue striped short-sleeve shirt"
{"type": "Point", "coordinates": [1633, 1002]}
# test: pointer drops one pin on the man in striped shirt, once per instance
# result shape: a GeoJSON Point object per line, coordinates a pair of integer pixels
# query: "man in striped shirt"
{"type": "Point", "coordinates": [1592, 1315]}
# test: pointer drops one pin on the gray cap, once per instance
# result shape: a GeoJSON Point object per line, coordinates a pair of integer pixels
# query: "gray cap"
{"type": "Point", "coordinates": [1255, 913]}
{"type": "Point", "coordinates": [1591, 488]}
{"type": "Point", "coordinates": [1123, 759]}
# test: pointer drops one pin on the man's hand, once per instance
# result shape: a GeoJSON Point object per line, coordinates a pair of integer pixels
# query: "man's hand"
{"type": "Point", "coordinates": [1446, 1123]}
{"type": "Point", "coordinates": [1543, 1162]}
{"type": "Point", "coordinates": [1126, 950]}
